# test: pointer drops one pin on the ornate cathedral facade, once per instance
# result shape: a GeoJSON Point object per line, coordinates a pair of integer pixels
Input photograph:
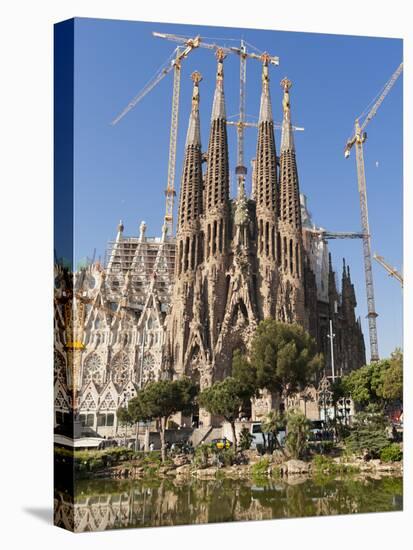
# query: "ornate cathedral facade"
{"type": "Point", "coordinates": [168, 307]}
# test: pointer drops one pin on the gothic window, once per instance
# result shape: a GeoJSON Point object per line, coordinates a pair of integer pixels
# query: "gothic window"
{"type": "Point", "coordinates": [108, 402]}
{"type": "Point", "coordinates": [88, 402]}
{"type": "Point", "coordinates": [193, 246]}
{"type": "Point", "coordinates": [59, 367]}
{"type": "Point", "coordinates": [214, 238]}
{"type": "Point", "coordinates": [93, 370]}
{"type": "Point", "coordinates": [60, 402]}
{"type": "Point", "coordinates": [120, 368]}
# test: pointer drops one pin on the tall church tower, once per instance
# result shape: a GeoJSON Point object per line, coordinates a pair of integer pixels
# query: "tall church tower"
{"type": "Point", "coordinates": [216, 224]}
{"type": "Point", "coordinates": [188, 239]}
{"type": "Point", "coordinates": [290, 241]}
{"type": "Point", "coordinates": [266, 205]}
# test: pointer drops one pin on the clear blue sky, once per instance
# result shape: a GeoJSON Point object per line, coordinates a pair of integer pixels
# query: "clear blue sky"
{"type": "Point", "coordinates": [120, 172]}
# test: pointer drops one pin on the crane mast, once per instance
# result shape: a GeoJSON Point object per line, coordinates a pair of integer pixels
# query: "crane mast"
{"type": "Point", "coordinates": [181, 53]}
{"type": "Point", "coordinates": [357, 140]}
{"type": "Point", "coordinates": [241, 169]}
{"type": "Point", "coordinates": [368, 270]}
{"type": "Point", "coordinates": [173, 138]}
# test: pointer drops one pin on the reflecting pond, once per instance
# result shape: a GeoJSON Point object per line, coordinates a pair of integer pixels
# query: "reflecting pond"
{"type": "Point", "coordinates": [108, 504]}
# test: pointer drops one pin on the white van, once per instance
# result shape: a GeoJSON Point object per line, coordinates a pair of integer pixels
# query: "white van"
{"type": "Point", "coordinates": [258, 441]}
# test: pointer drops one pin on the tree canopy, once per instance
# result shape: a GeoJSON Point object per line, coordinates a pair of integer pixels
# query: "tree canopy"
{"type": "Point", "coordinates": [379, 382]}
{"type": "Point", "coordinates": [285, 357]}
{"type": "Point", "coordinates": [244, 372]}
{"type": "Point", "coordinates": [226, 399]}
{"type": "Point", "coordinates": [160, 400]}
{"type": "Point", "coordinates": [223, 398]}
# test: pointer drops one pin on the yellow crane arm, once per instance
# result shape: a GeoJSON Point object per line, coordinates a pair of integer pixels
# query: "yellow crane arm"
{"type": "Point", "coordinates": [388, 86]}
{"type": "Point", "coordinates": [390, 270]}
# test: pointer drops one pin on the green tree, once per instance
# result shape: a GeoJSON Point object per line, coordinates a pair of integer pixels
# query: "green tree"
{"type": "Point", "coordinates": [244, 372]}
{"type": "Point", "coordinates": [368, 434]}
{"type": "Point", "coordinates": [285, 357]}
{"type": "Point", "coordinates": [246, 375]}
{"type": "Point", "coordinates": [298, 431]}
{"type": "Point", "coordinates": [380, 382]}
{"type": "Point", "coordinates": [359, 384]}
{"type": "Point", "coordinates": [225, 399]}
{"type": "Point", "coordinates": [124, 416]}
{"type": "Point", "coordinates": [160, 400]}
{"type": "Point", "coordinates": [273, 422]}
{"type": "Point", "coordinates": [392, 386]}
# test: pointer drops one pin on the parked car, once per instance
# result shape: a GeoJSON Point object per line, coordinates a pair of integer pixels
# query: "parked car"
{"type": "Point", "coordinates": [320, 432]}
{"type": "Point", "coordinates": [106, 443]}
{"type": "Point", "coordinates": [316, 430]}
{"type": "Point", "coordinates": [260, 440]}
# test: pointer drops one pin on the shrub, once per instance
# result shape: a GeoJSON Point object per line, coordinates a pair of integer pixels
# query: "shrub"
{"type": "Point", "coordinates": [391, 453]}
{"type": "Point", "coordinates": [322, 464]}
{"type": "Point", "coordinates": [260, 468]}
{"type": "Point", "coordinates": [226, 456]}
{"type": "Point", "coordinates": [368, 434]}
{"type": "Point", "coordinates": [245, 439]}
{"type": "Point", "coordinates": [201, 455]}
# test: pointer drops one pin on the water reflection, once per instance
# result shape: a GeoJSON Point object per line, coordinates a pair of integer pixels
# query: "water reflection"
{"type": "Point", "coordinates": [101, 505]}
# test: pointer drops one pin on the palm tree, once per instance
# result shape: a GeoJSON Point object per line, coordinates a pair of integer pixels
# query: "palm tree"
{"type": "Point", "coordinates": [272, 423]}
{"type": "Point", "coordinates": [298, 428]}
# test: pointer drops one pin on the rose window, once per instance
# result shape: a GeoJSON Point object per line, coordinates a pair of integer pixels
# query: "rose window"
{"type": "Point", "coordinates": [148, 368]}
{"type": "Point", "coordinates": [120, 369]}
{"type": "Point", "coordinates": [93, 370]}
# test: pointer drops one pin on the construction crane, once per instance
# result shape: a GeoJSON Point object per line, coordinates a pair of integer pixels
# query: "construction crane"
{"type": "Point", "coordinates": [358, 139]}
{"type": "Point", "coordinates": [392, 271]}
{"type": "Point", "coordinates": [241, 51]}
{"type": "Point", "coordinates": [173, 63]}
{"type": "Point", "coordinates": [325, 234]}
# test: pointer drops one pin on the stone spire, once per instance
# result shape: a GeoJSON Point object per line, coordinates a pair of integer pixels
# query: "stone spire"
{"type": "Point", "coordinates": [289, 211]}
{"type": "Point", "coordinates": [218, 107]}
{"type": "Point", "coordinates": [116, 255]}
{"type": "Point", "coordinates": [265, 105]}
{"type": "Point", "coordinates": [289, 199]}
{"type": "Point", "coordinates": [287, 139]}
{"type": "Point", "coordinates": [189, 242]}
{"type": "Point", "coordinates": [120, 231]}
{"type": "Point", "coordinates": [266, 162]}
{"type": "Point", "coordinates": [193, 136]}
{"type": "Point", "coordinates": [217, 172]}
{"type": "Point", "coordinates": [190, 201]}
{"type": "Point", "coordinates": [265, 189]}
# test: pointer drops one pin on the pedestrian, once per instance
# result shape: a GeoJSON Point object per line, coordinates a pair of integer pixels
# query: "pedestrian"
{"type": "Point", "coordinates": [151, 447]}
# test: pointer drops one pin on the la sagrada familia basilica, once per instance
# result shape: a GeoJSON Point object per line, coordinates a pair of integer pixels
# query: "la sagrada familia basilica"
{"type": "Point", "coordinates": [180, 305]}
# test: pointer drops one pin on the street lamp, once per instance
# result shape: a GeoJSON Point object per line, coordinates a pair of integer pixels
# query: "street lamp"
{"type": "Point", "coordinates": [142, 356]}
{"type": "Point", "coordinates": [325, 397]}
{"type": "Point", "coordinates": [125, 401]}
{"type": "Point", "coordinates": [331, 336]}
